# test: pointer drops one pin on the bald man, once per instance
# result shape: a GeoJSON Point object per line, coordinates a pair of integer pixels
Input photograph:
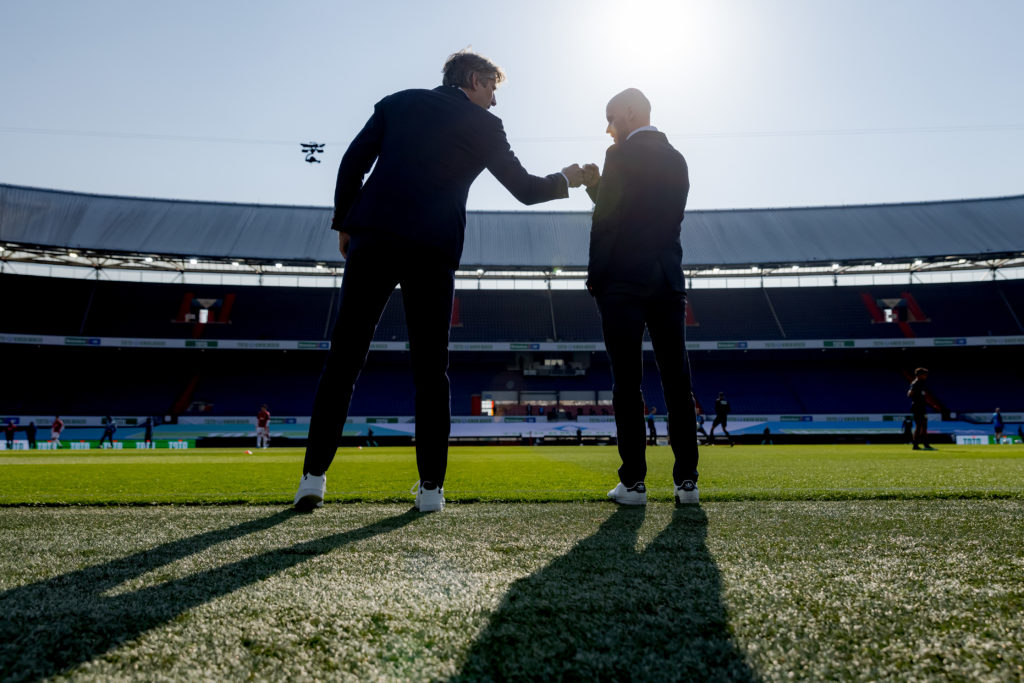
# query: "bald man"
{"type": "Point", "coordinates": [636, 277]}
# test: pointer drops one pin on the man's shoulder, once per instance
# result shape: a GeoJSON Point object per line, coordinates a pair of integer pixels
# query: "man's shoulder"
{"type": "Point", "coordinates": [449, 99]}
{"type": "Point", "coordinates": [406, 95]}
{"type": "Point", "coordinates": [414, 92]}
{"type": "Point", "coordinates": [650, 142]}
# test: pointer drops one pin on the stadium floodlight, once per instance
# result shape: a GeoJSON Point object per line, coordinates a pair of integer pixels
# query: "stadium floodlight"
{"type": "Point", "coordinates": [193, 261]}
{"type": "Point", "coordinates": [878, 264]}
{"type": "Point", "coordinates": [963, 260]}
{"type": "Point", "coordinates": [73, 254]}
{"type": "Point", "coordinates": [277, 265]}
{"type": "Point", "coordinates": [716, 269]}
{"type": "Point", "coordinates": [234, 263]}
{"type": "Point", "coordinates": [319, 266]}
{"type": "Point", "coordinates": [479, 271]}
{"type": "Point", "coordinates": [796, 267]}
{"type": "Point", "coordinates": [835, 266]}
{"type": "Point", "coordinates": [754, 269]}
{"type": "Point", "coordinates": [918, 262]}
{"type": "Point", "coordinates": [148, 259]}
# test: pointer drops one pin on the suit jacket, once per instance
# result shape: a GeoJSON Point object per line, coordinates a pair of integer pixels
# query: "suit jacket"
{"type": "Point", "coordinates": [638, 212]}
{"type": "Point", "coordinates": [429, 146]}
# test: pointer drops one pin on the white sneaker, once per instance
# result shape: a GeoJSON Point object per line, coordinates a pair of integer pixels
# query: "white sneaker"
{"type": "Point", "coordinates": [687, 493]}
{"type": "Point", "coordinates": [428, 500]}
{"type": "Point", "coordinates": [311, 491]}
{"type": "Point", "coordinates": [632, 495]}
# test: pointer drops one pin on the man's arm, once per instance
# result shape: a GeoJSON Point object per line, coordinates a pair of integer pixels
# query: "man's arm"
{"type": "Point", "coordinates": [356, 163]}
{"type": "Point", "coordinates": [528, 189]}
{"type": "Point", "coordinates": [592, 179]}
{"type": "Point", "coordinates": [607, 195]}
{"type": "Point", "coordinates": [609, 192]}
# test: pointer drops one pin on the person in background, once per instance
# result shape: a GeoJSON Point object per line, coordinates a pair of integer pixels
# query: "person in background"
{"type": "Point", "coordinates": [908, 429]}
{"type": "Point", "coordinates": [263, 427]}
{"type": "Point", "coordinates": [30, 434]}
{"type": "Point", "coordinates": [920, 398]}
{"type": "Point", "coordinates": [998, 425]}
{"type": "Point", "coordinates": [148, 425]}
{"type": "Point", "coordinates": [109, 427]}
{"type": "Point", "coordinates": [721, 417]}
{"type": "Point", "coordinates": [9, 434]}
{"type": "Point", "coordinates": [56, 429]}
{"type": "Point", "coordinates": [700, 424]}
{"type": "Point", "coordinates": [652, 429]}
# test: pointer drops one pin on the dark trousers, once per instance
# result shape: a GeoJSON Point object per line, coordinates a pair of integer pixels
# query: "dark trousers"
{"type": "Point", "coordinates": [623, 318]}
{"type": "Point", "coordinates": [721, 421]}
{"type": "Point", "coordinates": [920, 429]}
{"type": "Point", "coordinates": [374, 267]}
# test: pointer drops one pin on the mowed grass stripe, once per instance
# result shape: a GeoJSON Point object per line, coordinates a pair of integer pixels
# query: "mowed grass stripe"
{"type": "Point", "coordinates": [769, 590]}
{"type": "Point", "coordinates": [512, 474]}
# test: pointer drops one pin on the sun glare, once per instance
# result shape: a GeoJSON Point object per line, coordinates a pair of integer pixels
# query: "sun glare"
{"type": "Point", "coordinates": [667, 35]}
{"type": "Point", "coordinates": [667, 49]}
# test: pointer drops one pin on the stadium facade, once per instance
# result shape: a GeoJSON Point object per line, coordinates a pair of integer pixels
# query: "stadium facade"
{"type": "Point", "coordinates": [145, 306]}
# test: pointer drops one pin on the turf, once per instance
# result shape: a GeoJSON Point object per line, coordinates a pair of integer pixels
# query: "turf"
{"type": "Point", "coordinates": [512, 474]}
{"type": "Point", "coordinates": [770, 590]}
{"type": "Point", "coordinates": [809, 563]}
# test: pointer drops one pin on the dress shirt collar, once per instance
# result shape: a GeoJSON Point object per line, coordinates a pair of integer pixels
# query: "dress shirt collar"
{"type": "Point", "coordinates": [642, 128]}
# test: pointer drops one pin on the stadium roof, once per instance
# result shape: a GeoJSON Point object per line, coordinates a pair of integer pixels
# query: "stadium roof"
{"type": "Point", "coordinates": [973, 229]}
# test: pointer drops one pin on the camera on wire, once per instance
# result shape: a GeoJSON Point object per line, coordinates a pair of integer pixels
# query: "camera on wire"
{"type": "Point", "coordinates": [311, 149]}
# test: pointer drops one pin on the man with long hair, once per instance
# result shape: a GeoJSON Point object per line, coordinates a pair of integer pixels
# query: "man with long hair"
{"type": "Point", "coordinates": [405, 226]}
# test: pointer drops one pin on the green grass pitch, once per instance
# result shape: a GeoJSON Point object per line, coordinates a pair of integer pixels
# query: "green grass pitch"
{"type": "Point", "coordinates": [557, 473]}
{"type": "Point", "coordinates": [809, 563]}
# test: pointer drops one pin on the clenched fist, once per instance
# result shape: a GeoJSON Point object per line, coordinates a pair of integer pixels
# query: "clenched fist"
{"type": "Point", "coordinates": [574, 174]}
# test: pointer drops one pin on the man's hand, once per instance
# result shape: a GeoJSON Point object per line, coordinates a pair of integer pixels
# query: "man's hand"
{"type": "Point", "coordinates": [591, 175]}
{"type": "Point", "coordinates": [343, 239]}
{"type": "Point", "coordinates": [574, 174]}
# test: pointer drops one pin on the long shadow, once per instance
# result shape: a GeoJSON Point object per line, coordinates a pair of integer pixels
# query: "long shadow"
{"type": "Point", "coordinates": [603, 611]}
{"type": "Point", "coordinates": [51, 626]}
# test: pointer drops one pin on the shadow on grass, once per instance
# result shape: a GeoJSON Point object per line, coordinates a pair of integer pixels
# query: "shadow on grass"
{"type": "Point", "coordinates": [605, 611]}
{"type": "Point", "coordinates": [51, 626]}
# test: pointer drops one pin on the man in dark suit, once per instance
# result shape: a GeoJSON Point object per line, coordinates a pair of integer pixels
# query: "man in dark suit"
{"type": "Point", "coordinates": [636, 276]}
{"type": "Point", "coordinates": [405, 226]}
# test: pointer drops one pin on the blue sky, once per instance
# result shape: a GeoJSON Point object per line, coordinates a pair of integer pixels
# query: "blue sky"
{"type": "Point", "coordinates": [773, 103]}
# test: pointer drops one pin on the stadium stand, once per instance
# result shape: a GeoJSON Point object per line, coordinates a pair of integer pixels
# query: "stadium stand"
{"type": "Point", "coordinates": [140, 381]}
{"type": "Point", "coordinates": [106, 308]}
{"type": "Point", "coordinates": [94, 379]}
